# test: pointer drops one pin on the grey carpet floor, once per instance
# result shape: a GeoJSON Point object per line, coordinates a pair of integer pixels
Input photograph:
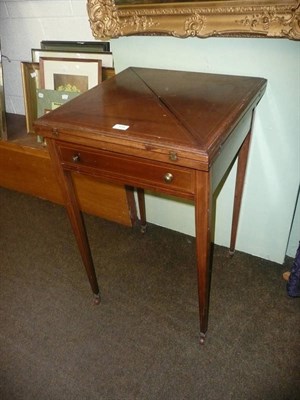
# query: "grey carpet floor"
{"type": "Point", "coordinates": [141, 343]}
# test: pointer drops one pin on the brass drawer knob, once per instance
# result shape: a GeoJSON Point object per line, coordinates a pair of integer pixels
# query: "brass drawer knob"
{"type": "Point", "coordinates": [168, 177]}
{"type": "Point", "coordinates": [76, 158]}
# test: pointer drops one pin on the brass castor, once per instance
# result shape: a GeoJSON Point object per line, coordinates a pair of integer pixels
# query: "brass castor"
{"type": "Point", "coordinates": [202, 338]}
{"type": "Point", "coordinates": [97, 299]}
{"type": "Point", "coordinates": [143, 228]}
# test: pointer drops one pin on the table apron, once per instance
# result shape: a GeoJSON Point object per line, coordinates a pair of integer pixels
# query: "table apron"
{"type": "Point", "coordinates": [118, 168]}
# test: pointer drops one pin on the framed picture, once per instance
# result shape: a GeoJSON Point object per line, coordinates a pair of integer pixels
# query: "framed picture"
{"type": "Point", "coordinates": [3, 128]}
{"type": "Point", "coordinates": [83, 47]}
{"type": "Point", "coordinates": [106, 58]}
{"type": "Point", "coordinates": [48, 100]}
{"type": "Point", "coordinates": [68, 74]}
{"type": "Point", "coordinates": [30, 78]}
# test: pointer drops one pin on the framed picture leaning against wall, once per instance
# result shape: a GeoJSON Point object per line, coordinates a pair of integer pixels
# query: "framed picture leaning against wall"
{"type": "Point", "coordinates": [3, 130]}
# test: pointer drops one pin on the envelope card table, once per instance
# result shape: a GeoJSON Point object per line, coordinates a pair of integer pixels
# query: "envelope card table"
{"type": "Point", "coordinates": [172, 132]}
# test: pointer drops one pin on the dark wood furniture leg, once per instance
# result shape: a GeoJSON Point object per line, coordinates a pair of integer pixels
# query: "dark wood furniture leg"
{"type": "Point", "coordinates": [203, 212]}
{"type": "Point", "coordinates": [239, 186]}
{"type": "Point", "coordinates": [76, 220]}
{"type": "Point", "coordinates": [142, 209]}
{"type": "Point", "coordinates": [131, 204]}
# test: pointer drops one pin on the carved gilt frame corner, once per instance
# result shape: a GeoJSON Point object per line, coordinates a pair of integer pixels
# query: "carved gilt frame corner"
{"type": "Point", "coordinates": [232, 18]}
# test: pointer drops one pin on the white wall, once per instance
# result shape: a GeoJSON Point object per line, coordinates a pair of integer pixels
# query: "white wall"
{"type": "Point", "coordinates": [274, 166]}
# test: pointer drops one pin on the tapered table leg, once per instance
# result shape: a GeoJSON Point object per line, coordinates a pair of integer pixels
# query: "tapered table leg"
{"type": "Point", "coordinates": [203, 204]}
{"type": "Point", "coordinates": [239, 186]}
{"type": "Point", "coordinates": [76, 220]}
{"type": "Point", "coordinates": [131, 204]}
{"type": "Point", "coordinates": [78, 227]}
{"type": "Point", "coordinates": [142, 209]}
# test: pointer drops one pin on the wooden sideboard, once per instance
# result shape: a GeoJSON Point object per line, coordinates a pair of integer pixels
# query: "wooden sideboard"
{"type": "Point", "coordinates": [25, 167]}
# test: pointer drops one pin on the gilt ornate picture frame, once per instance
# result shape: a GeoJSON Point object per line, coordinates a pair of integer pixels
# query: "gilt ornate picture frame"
{"type": "Point", "coordinates": [232, 18]}
{"type": "Point", "coordinates": [30, 79]}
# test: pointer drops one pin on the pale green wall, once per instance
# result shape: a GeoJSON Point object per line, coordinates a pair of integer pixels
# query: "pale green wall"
{"type": "Point", "coordinates": [273, 173]}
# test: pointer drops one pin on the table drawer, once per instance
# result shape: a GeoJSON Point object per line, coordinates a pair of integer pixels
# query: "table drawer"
{"type": "Point", "coordinates": [129, 170]}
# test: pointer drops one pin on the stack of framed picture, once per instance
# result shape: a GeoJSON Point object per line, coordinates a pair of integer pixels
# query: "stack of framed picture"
{"type": "Point", "coordinates": [3, 131]}
{"type": "Point", "coordinates": [60, 71]}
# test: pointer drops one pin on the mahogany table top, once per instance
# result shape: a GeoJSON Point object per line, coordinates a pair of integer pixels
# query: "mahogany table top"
{"type": "Point", "coordinates": [152, 111]}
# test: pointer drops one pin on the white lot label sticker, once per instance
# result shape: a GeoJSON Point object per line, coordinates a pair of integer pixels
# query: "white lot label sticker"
{"type": "Point", "coordinates": [121, 127]}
